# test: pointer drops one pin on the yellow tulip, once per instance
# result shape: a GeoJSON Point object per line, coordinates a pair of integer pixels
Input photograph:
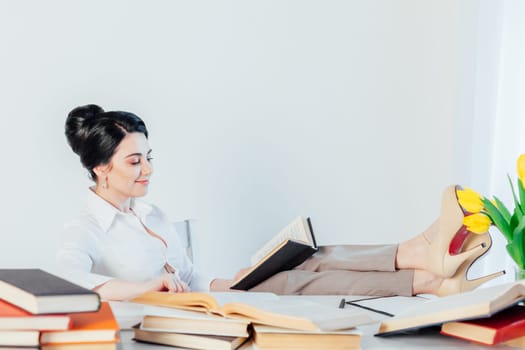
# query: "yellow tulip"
{"type": "Point", "coordinates": [469, 200]}
{"type": "Point", "coordinates": [521, 168]}
{"type": "Point", "coordinates": [477, 223]}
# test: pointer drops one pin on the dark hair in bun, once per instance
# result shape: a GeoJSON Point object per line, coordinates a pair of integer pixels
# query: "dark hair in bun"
{"type": "Point", "coordinates": [94, 134]}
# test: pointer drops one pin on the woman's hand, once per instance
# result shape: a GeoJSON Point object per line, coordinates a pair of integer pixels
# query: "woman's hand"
{"type": "Point", "coordinates": [170, 282]}
{"type": "Point", "coordinates": [223, 285]}
{"type": "Point", "coordinates": [241, 273]}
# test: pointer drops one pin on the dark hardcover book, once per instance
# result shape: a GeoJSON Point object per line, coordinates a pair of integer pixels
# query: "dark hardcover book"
{"type": "Point", "coordinates": [40, 292]}
{"type": "Point", "coordinates": [289, 248]}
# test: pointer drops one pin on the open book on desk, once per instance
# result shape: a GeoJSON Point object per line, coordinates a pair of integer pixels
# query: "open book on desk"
{"type": "Point", "coordinates": [261, 308]}
{"type": "Point", "coordinates": [289, 248]}
{"type": "Point", "coordinates": [470, 305]}
{"type": "Point", "coordinates": [381, 308]}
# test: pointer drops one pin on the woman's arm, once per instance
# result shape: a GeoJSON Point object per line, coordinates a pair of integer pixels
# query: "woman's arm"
{"type": "Point", "coordinates": [223, 285]}
{"type": "Point", "coordinates": [117, 289]}
{"type": "Point", "coordinates": [220, 285]}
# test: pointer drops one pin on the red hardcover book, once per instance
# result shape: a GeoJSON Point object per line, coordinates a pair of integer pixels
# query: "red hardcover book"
{"type": "Point", "coordinates": [88, 327]}
{"type": "Point", "coordinates": [15, 318]}
{"type": "Point", "coordinates": [500, 327]}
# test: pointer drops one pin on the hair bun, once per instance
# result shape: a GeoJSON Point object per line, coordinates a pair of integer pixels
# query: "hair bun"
{"type": "Point", "coordinates": [76, 130]}
{"type": "Point", "coordinates": [85, 112]}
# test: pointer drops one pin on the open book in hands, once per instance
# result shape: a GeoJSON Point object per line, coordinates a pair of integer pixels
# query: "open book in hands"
{"type": "Point", "coordinates": [261, 308]}
{"type": "Point", "coordinates": [289, 248]}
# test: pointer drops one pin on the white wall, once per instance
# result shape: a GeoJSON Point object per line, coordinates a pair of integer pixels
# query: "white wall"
{"type": "Point", "coordinates": [351, 112]}
{"type": "Point", "coordinates": [503, 102]}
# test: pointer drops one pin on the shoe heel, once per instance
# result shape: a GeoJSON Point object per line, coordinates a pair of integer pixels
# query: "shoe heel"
{"type": "Point", "coordinates": [447, 265]}
{"type": "Point", "coordinates": [472, 284]}
{"type": "Point", "coordinates": [459, 282]}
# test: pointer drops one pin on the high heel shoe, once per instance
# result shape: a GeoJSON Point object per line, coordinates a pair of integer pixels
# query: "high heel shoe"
{"type": "Point", "coordinates": [459, 282]}
{"type": "Point", "coordinates": [447, 251]}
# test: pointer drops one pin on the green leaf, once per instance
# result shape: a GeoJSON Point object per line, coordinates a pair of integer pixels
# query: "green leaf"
{"type": "Point", "coordinates": [512, 253]}
{"type": "Point", "coordinates": [521, 192]}
{"type": "Point", "coordinates": [503, 209]}
{"type": "Point", "coordinates": [515, 219]}
{"type": "Point", "coordinates": [516, 202]}
{"type": "Point", "coordinates": [519, 228]}
{"type": "Point", "coordinates": [518, 247]}
{"type": "Point", "coordinates": [498, 219]}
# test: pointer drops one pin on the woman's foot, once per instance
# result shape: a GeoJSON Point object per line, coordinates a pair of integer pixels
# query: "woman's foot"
{"type": "Point", "coordinates": [428, 283]}
{"type": "Point", "coordinates": [448, 250]}
{"type": "Point", "coordinates": [413, 254]}
{"type": "Point", "coordinates": [431, 250]}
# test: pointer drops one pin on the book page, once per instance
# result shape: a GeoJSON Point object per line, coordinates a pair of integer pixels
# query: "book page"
{"type": "Point", "coordinates": [200, 301]}
{"type": "Point", "coordinates": [259, 328]}
{"type": "Point", "coordinates": [296, 313]}
{"type": "Point", "coordinates": [162, 311]}
{"type": "Point", "coordinates": [297, 230]}
{"type": "Point", "coordinates": [245, 298]}
{"type": "Point", "coordinates": [479, 297]}
{"type": "Point", "coordinates": [392, 305]}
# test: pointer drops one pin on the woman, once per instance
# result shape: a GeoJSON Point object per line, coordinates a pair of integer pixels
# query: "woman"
{"type": "Point", "coordinates": [122, 247]}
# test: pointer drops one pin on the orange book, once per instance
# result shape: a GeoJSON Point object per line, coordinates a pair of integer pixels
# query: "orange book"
{"type": "Point", "coordinates": [501, 327]}
{"type": "Point", "coordinates": [78, 346]}
{"type": "Point", "coordinates": [15, 318]}
{"type": "Point", "coordinates": [89, 327]}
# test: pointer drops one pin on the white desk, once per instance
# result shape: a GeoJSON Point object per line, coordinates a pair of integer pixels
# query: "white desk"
{"type": "Point", "coordinates": [128, 314]}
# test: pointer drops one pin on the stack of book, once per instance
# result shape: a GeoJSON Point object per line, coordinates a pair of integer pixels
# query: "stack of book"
{"type": "Point", "coordinates": [257, 320]}
{"type": "Point", "coordinates": [42, 311]}
{"type": "Point", "coordinates": [487, 316]}
{"type": "Point", "coordinates": [190, 329]}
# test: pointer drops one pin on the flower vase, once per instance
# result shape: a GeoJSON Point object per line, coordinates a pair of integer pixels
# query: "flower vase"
{"type": "Point", "coordinates": [519, 273]}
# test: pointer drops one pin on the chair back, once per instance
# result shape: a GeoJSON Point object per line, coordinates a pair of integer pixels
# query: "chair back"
{"type": "Point", "coordinates": [183, 229]}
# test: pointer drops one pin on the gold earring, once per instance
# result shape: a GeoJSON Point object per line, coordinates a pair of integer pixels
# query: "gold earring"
{"type": "Point", "coordinates": [105, 183]}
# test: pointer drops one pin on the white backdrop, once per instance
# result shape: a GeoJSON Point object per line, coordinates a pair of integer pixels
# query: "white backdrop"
{"type": "Point", "coordinates": [356, 113]}
{"type": "Point", "coordinates": [500, 112]}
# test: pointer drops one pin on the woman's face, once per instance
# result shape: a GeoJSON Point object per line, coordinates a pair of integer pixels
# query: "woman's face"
{"type": "Point", "coordinates": [130, 168]}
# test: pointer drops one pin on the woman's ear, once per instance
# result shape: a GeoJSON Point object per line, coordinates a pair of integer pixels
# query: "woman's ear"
{"type": "Point", "coordinates": [101, 170]}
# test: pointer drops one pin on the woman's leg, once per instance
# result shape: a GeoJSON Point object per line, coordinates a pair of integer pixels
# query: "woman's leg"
{"type": "Point", "coordinates": [411, 254]}
{"type": "Point", "coordinates": [339, 282]}
{"type": "Point", "coordinates": [352, 257]}
{"type": "Point", "coordinates": [342, 282]}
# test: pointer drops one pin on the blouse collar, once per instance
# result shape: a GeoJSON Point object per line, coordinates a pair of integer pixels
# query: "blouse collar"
{"type": "Point", "coordinates": [105, 213]}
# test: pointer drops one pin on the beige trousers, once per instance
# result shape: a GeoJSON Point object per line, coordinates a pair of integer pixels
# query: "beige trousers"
{"type": "Point", "coordinates": [346, 270]}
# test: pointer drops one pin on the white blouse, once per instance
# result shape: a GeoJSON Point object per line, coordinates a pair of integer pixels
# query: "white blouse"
{"type": "Point", "coordinates": [104, 243]}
